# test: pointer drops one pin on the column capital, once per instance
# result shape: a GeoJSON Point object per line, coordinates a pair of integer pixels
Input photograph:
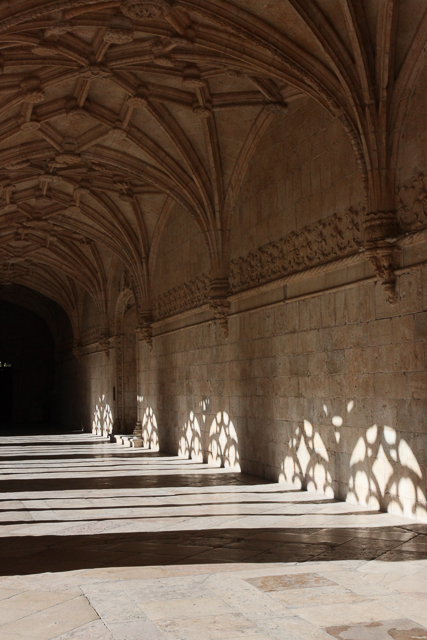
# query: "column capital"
{"type": "Point", "coordinates": [219, 303]}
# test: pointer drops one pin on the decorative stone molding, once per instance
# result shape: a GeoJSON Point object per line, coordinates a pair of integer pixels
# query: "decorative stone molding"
{"type": "Point", "coordinates": [191, 77]}
{"type": "Point", "coordinates": [187, 296]}
{"type": "Point", "coordinates": [379, 225]}
{"type": "Point", "coordinates": [332, 238]}
{"type": "Point", "coordinates": [90, 336]}
{"type": "Point", "coordinates": [139, 9]}
{"type": "Point", "coordinates": [219, 303]}
{"type": "Point", "coordinates": [58, 30]}
{"type": "Point", "coordinates": [381, 229]}
{"type": "Point", "coordinates": [384, 259]}
{"type": "Point", "coordinates": [412, 203]}
{"type": "Point", "coordinates": [146, 333]}
{"type": "Point", "coordinates": [278, 108]}
{"type": "Point", "coordinates": [95, 72]}
{"type": "Point", "coordinates": [104, 341]}
{"type": "Point", "coordinates": [137, 102]}
{"type": "Point", "coordinates": [119, 31]}
{"type": "Point", "coordinates": [144, 329]}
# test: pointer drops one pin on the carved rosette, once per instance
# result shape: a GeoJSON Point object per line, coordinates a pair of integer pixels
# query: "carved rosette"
{"type": "Point", "coordinates": [139, 9]}
{"type": "Point", "coordinates": [381, 229]}
{"type": "Point", "coordinates": [219, 303]}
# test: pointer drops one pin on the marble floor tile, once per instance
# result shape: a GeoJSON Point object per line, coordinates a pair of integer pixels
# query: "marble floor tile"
{"type": "Point", "coordinates": [35, 600]}
{"type": "Point", "coordinates": [139, 630]}
{"type": "Point", "coordinates": [341, 614]}
{"type": "Point", "coordinates": [296, 581]}
{"type": "Point", "coordinates": [186, 608]}
{"type": "Point", "coordinates": [222, 627]}
{"type": "Point", "coordinates": [400, 629]}
{"type": "Point", "coordinates": [53, 621]}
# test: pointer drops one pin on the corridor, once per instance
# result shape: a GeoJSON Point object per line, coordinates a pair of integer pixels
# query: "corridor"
{"type": "Point", "coordinates": [99, 543]}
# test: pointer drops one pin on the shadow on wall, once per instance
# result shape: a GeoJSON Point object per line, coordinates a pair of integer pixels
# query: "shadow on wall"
{"type": "Point", "coordinates": [375, 466]}
{"type": "Point", "coordinates": [102, 422]}
{"type": "Point", "coordinates": [222, 441]}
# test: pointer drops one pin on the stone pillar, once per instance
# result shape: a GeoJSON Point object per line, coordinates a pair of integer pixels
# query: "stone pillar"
{"type": "Point", "coordinates": [118, 421]}
{"type": "Point", "coordinates": [137, 440]}
{"type": "Point", "coordinates": [117, 429]}
{"type": "Point", "coordinates": [381, 231]}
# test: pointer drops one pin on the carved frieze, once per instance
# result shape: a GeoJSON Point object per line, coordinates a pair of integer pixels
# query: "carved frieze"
{"type": "Point", "coordinates": [412, 203]}
{"type": "Point", "coordinates": [139, 9]}
{"type": "Point", "coordinates": [187, 296]}
{"type": "Point", "coordinates": [332, 238]}
{"type": "Point", "coordinates": [335, 237]}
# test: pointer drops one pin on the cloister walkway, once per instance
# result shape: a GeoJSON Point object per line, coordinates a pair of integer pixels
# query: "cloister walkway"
{"type": "Point", "coordinates": [101, 543]}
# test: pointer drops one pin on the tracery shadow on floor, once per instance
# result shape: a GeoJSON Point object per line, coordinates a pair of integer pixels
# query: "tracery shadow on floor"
{"type": "Point", "coordinates": [25, 555]}
{"type": "Point", "coordinates": [58, 516]}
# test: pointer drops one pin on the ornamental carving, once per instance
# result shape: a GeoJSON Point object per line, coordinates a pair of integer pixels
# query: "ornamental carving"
{"type": "Point", "coordinates": [120, 30]}
{"type": "Point", "coordinates": [412, 203]}
{"type": "Point", "coordinates": [187, 296]}
{"type": "Point", "coordinates": [332, 238]}
{"type": "Point", "coordinates": [139, 9]}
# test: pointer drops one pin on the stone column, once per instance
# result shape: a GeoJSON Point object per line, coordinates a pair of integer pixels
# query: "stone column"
{"type": "Point", "coordinates": [118, 422]}
{"type": "Point", "coordinates": [137, 440]}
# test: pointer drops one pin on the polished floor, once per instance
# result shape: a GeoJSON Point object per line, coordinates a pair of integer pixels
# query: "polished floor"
{"type": "Point", "coordinates": [102, 543]}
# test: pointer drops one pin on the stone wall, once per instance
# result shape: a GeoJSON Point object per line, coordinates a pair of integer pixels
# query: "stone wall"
{"type": "Point", "coordinates": [304, 170]}
{"type": "Point", "coordinates": [182, 253]}
{"type": "Point", "coordinates": [327, 393]}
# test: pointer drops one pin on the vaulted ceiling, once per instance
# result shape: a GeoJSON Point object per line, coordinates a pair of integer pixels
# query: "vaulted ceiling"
{"type": "Point", "coordinates": [112, 111]}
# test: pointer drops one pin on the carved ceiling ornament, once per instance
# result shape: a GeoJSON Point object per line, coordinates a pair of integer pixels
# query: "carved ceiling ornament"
{"type": "Point", "coordinates": [140, 9]}
{"type": "Point", "coordinates": [119, 31]}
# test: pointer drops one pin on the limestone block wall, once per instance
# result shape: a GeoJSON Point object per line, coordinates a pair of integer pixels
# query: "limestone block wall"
{"type": "Point", "coordinates": [327, 393]}
{"type": "Point", "coordinates": [304, 170]}
{"type": "Point", "coordinates": [181, 254]}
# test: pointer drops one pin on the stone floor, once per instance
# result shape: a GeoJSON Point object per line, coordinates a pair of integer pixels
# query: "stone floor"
{"type": "Point", "coordinates": [101, 543]}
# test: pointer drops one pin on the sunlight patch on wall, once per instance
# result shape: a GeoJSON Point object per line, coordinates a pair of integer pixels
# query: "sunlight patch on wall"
{"type": "Point", "coordinates": [306, 464]}
{"type": "Point", "coordinates": [190, 442]}
{"type": "Point", "coordinates": [102, 422]}
{"type": "Point", "coordinates": [149, 429]}
{"type": "Point", "coordinates": [223, 442]}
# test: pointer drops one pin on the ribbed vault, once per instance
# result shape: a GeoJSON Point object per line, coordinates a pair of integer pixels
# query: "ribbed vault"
{"type": "Point", "coordinates": [111, 111]}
